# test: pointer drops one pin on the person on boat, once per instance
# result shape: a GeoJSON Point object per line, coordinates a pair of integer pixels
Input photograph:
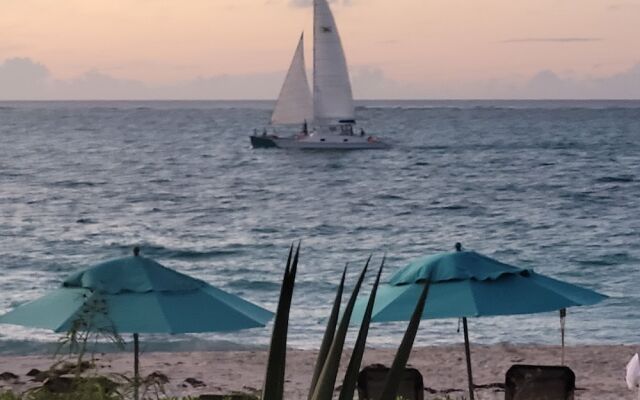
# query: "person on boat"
{"type": "Point", "coordinates": [264, 131]}
{"type": "Point", "coordinates": [305, 128]}
{"type": "Point", "coordinates": [361, 132]}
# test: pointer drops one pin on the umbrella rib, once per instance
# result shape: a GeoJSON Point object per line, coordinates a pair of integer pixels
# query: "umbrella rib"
{"type": "Point", "coordinates": [73, 317]}
{"type": "Point", "coordinates": [473, 296]}
{"type": "Point", "coordinates": [380, 308]}
{"type": "Point", "coordinates": [223, 299]}
{"type": "Point", "coordinates": [162, 311]}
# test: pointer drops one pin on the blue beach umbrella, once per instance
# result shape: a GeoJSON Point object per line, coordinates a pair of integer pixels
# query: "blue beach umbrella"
{"type": "Point", "coordinates": [468, 284]}
{"type": "Point", "coordinates": [137, 295]}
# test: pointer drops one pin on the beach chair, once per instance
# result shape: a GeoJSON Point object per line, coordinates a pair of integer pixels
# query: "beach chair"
{"type": "Point", "coordinates": [372, 378]}
{"type": "Point", "coordinates": [539, 382]}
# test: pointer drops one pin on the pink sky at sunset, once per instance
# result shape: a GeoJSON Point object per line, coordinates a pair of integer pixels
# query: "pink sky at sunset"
{"type": "Point", "coordinates": [395, 49]}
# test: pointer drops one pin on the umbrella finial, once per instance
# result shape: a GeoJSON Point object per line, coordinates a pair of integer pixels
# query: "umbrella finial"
{"type": "Point", "coordinates": [136, 251]}
{"type": "Point", "coordinates": [458, 246]}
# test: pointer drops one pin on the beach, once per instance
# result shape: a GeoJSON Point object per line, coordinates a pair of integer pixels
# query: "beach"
{"type": "Point", "coordinates": [599, 369]}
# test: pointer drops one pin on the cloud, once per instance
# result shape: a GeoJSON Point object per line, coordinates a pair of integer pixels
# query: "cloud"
{"type": "Point", "coordinates": [21, 78]}
{"type": "Point", "coordinates": [549, 85]}
{"type": "Point", "coordinates": [97, 85]}
{"type": "Point", "coordinates": [553, 40]}
{"type": "Point", "coordinates": [227, 87]}
{"type": "Point", "coordinates": [370, 82]}
{"type": "Point", "coordinates": [25, 79]}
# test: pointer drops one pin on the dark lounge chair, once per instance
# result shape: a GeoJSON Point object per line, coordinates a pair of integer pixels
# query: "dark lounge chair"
{"type": "Point", "coordinates": [372, 378]}
{"type": "Point", "coordinates": [539, 382]}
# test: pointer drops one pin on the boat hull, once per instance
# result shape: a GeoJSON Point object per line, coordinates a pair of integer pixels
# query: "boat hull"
{"type": "Point", "coordinates": [264, 142]}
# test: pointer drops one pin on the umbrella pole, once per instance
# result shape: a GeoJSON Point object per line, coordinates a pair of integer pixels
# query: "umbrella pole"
{"type": "Point", "coordinates": [136, 366]}
{"type": "Point", "coordinates": [467, 352]}
{"type": "Point", "coordinates": [563, 314]}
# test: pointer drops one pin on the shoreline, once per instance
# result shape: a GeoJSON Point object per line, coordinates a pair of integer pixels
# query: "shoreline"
{"type": "Point", "coordinates": [599, 369]}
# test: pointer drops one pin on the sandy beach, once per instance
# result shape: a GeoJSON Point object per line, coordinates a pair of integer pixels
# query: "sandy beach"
{"type": "Point", "coordinates": [599, 369]}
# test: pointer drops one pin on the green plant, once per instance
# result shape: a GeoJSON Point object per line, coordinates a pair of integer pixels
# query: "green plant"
{"type": "Point", "coordinates": [392, 381]}
{"type": "Point", "coordinates": [327, 379]}
{"type": "Point", "coordinates": [351, 376]}
{"type": "Point", "coordinates": [73, 388]}
{"type": "Point", "coordinates": [9, 396]}
{"type": "Point", "coordinates": [274, 379]}
{"type": "Point", "coordinates": [91, 325]}
{"type": "Point", "coordinates": [329, 332]}
{"type": "Point", "coordinates": [328, 361]}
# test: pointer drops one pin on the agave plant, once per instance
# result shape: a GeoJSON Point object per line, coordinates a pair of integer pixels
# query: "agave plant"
{"type": "Point", "coordinates": [392, 382]}
{"type": "Point", "coordinates": [274, 380]}
{"type": "Point", "coordinates": [328, 361]}
{"type": "Point", "coordinates": [328, 334]}
{"type": "Point", "coordinates": [323, 389]}
{"type": "Point", "coordinates": [351, 376]}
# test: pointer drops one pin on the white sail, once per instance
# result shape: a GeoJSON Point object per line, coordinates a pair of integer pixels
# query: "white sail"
{"type": "Point", "coordinates": [332, 97]}
{"type": "Point", "coordinates": [294, 105]}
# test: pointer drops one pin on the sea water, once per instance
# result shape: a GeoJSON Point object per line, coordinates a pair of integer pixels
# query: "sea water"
{"type": "Point", "coordinates": [553, 186]}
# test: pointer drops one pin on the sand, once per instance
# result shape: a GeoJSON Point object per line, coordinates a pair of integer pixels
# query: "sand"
{"type": "Point", "coordinates": [599, 369]}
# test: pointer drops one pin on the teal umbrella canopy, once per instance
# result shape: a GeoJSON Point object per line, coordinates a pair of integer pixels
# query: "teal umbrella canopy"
{"type": "Point", "coordinates": [468, 284]}
{"type": "Point", "coordinates": [138, 295]}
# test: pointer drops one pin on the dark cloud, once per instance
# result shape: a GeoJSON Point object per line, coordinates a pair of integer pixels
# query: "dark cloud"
{"type": "Point", "coordinates": [553, 40]}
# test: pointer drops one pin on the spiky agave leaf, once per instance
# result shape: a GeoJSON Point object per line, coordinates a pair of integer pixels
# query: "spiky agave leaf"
{"type": "Point", "coordinates": [351, 376]}
{"type": "Point", "coordinates": [327, 379]}
{"type": "Point", "coordinates": [404, 351]}
{"type": "Point", "coordinates": [274, 377]}
{"type": "Point", "coordinates": [328, 333]}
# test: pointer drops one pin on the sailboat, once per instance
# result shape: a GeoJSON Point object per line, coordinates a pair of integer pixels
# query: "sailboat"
{"type": "Point", "coordinates": [329, 108]}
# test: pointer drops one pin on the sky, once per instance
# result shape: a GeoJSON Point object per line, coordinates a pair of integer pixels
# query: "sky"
{"type": "Point", "coordinates": [240, 49]}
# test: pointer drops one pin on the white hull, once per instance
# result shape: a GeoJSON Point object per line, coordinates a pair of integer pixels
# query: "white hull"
{"type": "Point", "coordinates": [325, 142]}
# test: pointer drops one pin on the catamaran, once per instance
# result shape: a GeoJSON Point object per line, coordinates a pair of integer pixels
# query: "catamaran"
{"type": "Point", "coordinates": [329, 108]}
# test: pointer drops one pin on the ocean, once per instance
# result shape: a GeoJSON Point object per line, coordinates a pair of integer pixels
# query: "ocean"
{"type": "Point", "coordinates": [548, 185]}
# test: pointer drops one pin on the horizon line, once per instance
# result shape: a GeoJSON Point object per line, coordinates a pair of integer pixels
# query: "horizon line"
{"type": "Point", "coordinates": [273, 100]}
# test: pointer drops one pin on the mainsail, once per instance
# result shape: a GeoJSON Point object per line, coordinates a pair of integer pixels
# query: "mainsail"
{"type": "Point", "coordinates": [332, 97]}
{"type": "Point", "coordinates": [294, 105]}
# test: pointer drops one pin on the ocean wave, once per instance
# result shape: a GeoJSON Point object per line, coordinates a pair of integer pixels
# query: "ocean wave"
{"type": "Point", "coordinates": [257, 285]}
{"type": "Point", "coordinates": [616, 179]}
{"type": "Point", "coordinates": [75, 184]}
